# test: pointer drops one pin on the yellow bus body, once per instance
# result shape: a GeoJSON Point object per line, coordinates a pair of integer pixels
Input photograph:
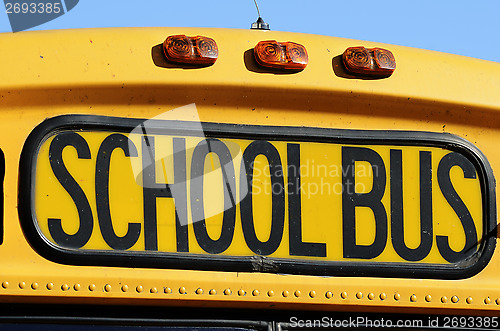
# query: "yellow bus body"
{"type": "Point", "coordinates": [122, 73]}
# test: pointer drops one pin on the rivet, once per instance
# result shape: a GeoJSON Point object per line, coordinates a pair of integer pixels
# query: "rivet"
{"type": "Point", "coordinates": [107, 288]}
{"type": "Point", "coordinates": [124, 288]}
{"type": "Point", "coordinates": [444, 299]}
{"type": "Point", "coordinates": [49, 286]}
{"type": "Point", "coordinates": [371, 296]}
{"type": "Point", "coordinates": [255, 293]}
{"type": "Point", "coordinates": [64, 287]}
{"type": "Point", "coordinates": [487, 300]}
{"type": "Point", "coordinates": [469, 300]}
{"type": "Point", "coordinates": [497, 301]}
{"type": "Point", "coordinates": [312, 294]}
{"type": "Point", "coordinates": [454, 299]}
{"type": "Point", "coordinates": [286, 293]}
{"type": "Point", "coordinates": [139, 288]}
{"type": "Point", "coordinates": [383, 296]}
{"type": "Point", "coordinates": [153, 290]}
{"type": "Point", "coordinates": [92, 287]}
{"type": "Point", "coordinates": [241, 292]}
{"type": "Point", "coordinates": [413, 298]}
{"type": "Point", "coordinates": [343, 295]}
{"type": "Point", "coordinates": [212, 292]}
{"type": "Point", "coordinates": [270, 293]}
{"type": "Point", "coordinates": [198, 291]}
{"type": "Point", "coordinates": [428, 298]}
{"type": "Point", "coordinates": [227, 291]}
{"type": "Point", "coordinates": [76, 287]}
{"type": "Point", "coordinates": [5, 284]}
{"type": "Point", "coordinates": [167, 290]}
{"type": "Point", "coordinates": [182, 290]}
{"type": "Point", "coordinates": [297, 293]}
{"type": "Point", "coordinates": [329, 295]}
{"type": "Point", "coordinates": [359, 295]}
{"type": "Point", "coordinates": [397, 296]}
{"type": "Point", "coordinates": [22, 285]}
{"type": "Point", "coordinates": [34, 286]}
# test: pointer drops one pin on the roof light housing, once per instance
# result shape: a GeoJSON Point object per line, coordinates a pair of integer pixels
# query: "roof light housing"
{"type": "Point", "coordinates": [281, 55]}
{"type": "Point", "coordinates": [197, 50]}
{"type": "Point", "coordinates": [375, 62]}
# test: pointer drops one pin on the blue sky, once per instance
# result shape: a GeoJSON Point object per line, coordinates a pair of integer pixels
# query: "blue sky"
{"type": "Point", "coordinates": [459, 27]}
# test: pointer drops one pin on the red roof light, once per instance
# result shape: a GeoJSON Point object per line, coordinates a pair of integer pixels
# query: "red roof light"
{"type": "Point", "coordinates": [369, 61]}
{"type": "Point", "coordinates": [191, 50]}
{"type": "Point", "coordinates": [285, 55]}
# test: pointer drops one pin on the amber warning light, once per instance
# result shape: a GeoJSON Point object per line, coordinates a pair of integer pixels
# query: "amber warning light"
{"type": "Point", "coordinates": [285, 55]}
{"type": "Point", "coordinates": [369, 61]}
{"type": "Point", "coordinates": [192, 50]}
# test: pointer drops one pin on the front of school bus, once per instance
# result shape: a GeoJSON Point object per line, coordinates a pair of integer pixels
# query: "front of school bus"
{"type": "Point", "coordinates": [208, 178]}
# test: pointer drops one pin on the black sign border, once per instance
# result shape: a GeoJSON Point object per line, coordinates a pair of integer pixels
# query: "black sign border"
{"type": "Point", "coordinates": [52, 252]}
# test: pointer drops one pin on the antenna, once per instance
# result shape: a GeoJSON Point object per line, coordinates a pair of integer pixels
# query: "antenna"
{"type": "Point", "coordinates": [260, 24]}
{"type": "Point", "coordinates": [256, 5]}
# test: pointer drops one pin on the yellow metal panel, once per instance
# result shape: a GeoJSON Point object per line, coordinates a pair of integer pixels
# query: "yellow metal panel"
{"type": "Point", "coordinates": [121, 73]}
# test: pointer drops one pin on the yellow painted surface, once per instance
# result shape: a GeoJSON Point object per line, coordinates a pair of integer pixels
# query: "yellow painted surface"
{"type": "Point", "coordinates": [112, 72]}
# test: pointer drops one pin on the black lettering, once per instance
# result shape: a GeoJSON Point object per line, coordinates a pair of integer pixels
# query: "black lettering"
{"type": "Point", "coordinates": [153, 190]}
{"type": "Point", "coordinates": [82, 236]}
{"type": "Point", "coordinates": [180, 194]}
{"type": "Point", "coordinates": [229, 186]}
{"type": "Point", "coordinates": [463, 213]}
{"type": "Point", "coordinates": [107, 147]}
{"type": "Point", "coordinates": [278, 197]}
{"type": "Point", "coordinates": [297, 246]}
{"type": "Point", "coordinates": [397, 221]}
{"type": "Point", "coordinates": [372, 200]}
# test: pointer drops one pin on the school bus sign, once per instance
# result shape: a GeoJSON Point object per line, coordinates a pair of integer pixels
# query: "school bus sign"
{"type": "Point", "coordinates": [211, 196]}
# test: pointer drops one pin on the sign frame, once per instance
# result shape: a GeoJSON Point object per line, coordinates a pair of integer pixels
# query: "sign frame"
{"type": "Point", "coordinates": [187, 261]}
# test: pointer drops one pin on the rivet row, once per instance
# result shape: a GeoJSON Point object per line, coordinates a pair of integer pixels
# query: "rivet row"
{"type": "Point", "coordinates": [270, 293]}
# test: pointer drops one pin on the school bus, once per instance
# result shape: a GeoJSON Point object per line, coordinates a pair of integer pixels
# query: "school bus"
{"type": "Point", "coordinates": [212, 178]}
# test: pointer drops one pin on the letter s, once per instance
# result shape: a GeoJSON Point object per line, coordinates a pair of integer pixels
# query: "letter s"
{"type": "Point", "coordinates": [82, 236]}
{"type": "Point", "coordinates": [463, 213]}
